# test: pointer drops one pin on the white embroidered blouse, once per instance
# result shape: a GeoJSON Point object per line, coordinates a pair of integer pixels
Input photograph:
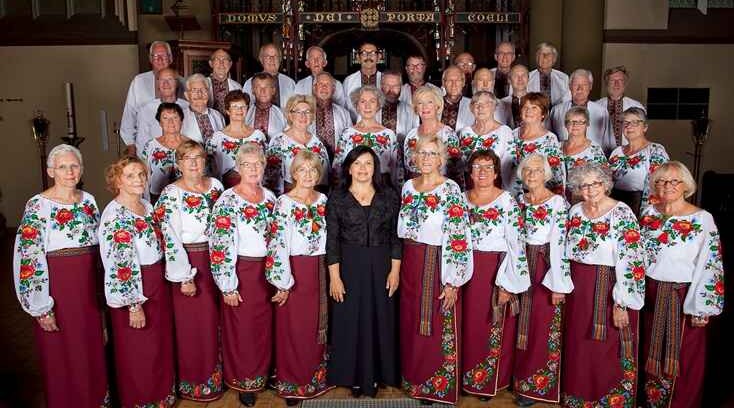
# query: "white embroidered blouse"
{"type": "Point", "coordinates": [384, 143]}
{"type": "Point", "coordinates": [223, 150]}
{"type": "Point", "coordinates": [548, 146]}
{"type": "Point", "coordinates": [161, 162]}
{"type": "Point", "coordinates": [497, 140]}
{"type": "Point", "coordinates": [447, 136]}
{"type": "Point", "coordinates": [632, 172]}
{"type": "Point", "coordinates": [280, 153]}
{"type": "Point", "coordinates": [48, 226]}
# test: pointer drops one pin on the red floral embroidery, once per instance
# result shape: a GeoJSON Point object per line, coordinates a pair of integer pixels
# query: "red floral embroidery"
{"type": "Point", "coordinates": [249, 212]}
{"type": "Point", "coordinates": [357, 138]}
{"type": "Point", "coordinates": [455, 211]}
{"type": "Point", "coordinates": [407, 199]}
{"type": "Point", "coordinates": [26, 271]}
{"type": "Point", "coordinates": [634, 160]}
{"type": "Point", "coordinates": [488, 142]}
{"type": "Point", "coordinates": [458, 245]}
{"type": "Point", "coordinates": [638, 272]}
{"type": "Point", "coordinates": [316, 149]}
{"type": "Point", "coordinates": [381, 139]}
{"type": "Point", "coordinates": [431, 201]}
{"type": "Point", "coordinates": [159, 213]}
{"type": "Point", "coordinates": [480, 375]}
{"type": "Point", "coordinates": [89, 210]}
{"type": "Point", "coordinates": [530, 147]}
{"type": "Point", "coordinates": [411, 143]}
{"type": "Point", "coordinates": [454, 151]}
{"type": "Point", "coordinates": [159, 155]}
{"type": "Point", "coordinates": [651, 222]}
{"type": "Point", "coordinates": [540, 213]}
{"type": "Point", "coordinates": [467, 141]}
{"type": "Point", "coordinates": [295, 150]}
{"type": "Point", "coordinates": [683, 227]}
{"type": "Point", "coordinates": [583, 244]}
{"type": "Point", "coordinates": [719, 288]}
{"type": "Point", "coordinates": [121, 237]}
{"type": "Point", "coordinates": [222, 222]}
{"type": "Point", "coordinates": [298, 213]}
{"type": "Point", "coordinates": [321, 210]}
{"type": "Point", "coordinates": [269, 262]}
{"type": "Point", "coordinates": [601, 228]}
{"type": "Point", "coordinates": [64, 216]}
{"type": "Point", "coordinates": [663, 238]}
{"type": "Point", "coordinates": [229, 146]}
{"type": "Point", "coordinates": [193, 201]}
{"type": "Point", "coordinates": [631, 236]}
{"type": "Point", "coordinates": [140, 225]}
{"type": "Point", "coordinates": [217, 257]}
{"type": "Point", "coordinates": [491, 214]}
{"type": "Point", "coordinates": [28, 232]}
{"type": "Point", "coordinates": [616, 401]}
{"type": "Point", "coordinates": [574, 222]}
{"type": "Point", "coordinates": [124, 273]}
{"type": "Point", "coordinates": [554, 161]}
{"type": "Point", "coordinates": [540, 381]}
{"type": "Point", "coordinates": [440, 383]}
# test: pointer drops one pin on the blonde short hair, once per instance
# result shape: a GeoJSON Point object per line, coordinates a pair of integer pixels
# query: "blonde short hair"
{"type": "Point", "coordinates": [251, 149]}
{"type": "Point", "coordinates": [295, 100]}
{"type": "Point", "coordinates": [186, 147]}
{"type": "Point", "coordinates": [685, 176]}
{"type": "Point", "coordinates": [306, 157]}
{"type": "Point", "coordinates": [113, 172]}
{"type": "Point", "coordinates": [431, 93]}
{"type": "Point", "coordinates": [547, 172]}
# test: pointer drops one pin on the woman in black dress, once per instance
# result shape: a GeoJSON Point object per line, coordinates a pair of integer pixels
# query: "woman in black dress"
{"type": "Point", "coordinates": [363, 253]}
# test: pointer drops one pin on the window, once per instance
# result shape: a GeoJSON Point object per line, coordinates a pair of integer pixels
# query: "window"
{"type": "Point", "coordinates": [677, 103]}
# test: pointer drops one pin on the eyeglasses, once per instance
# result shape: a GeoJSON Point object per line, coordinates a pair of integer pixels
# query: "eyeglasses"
{"type": "Point", "coordinates": [632, 123]}
{"type": "Point", "coordinates": [664, 182]}
{"type": "Point", "coordinates": [267, 57]}
{"type": "Point", "coordinates": [192, 159]}
{"type": "Point", "coordinates": [166, 80]}
{"type": "Point", "coordinates": [159, 57]}
{"type": "Point", "coordinates": [368, 53]}
{"type": "Point", "coordinates": [530, 170]}
{"type": "Point", "coordinates": [197, 91]}
{"type": "Point", "coordinates": [465, 64]}
{"type": "Point", "coordinates": [415, 66]}
{"type": "Point", "coordinates": [589, 186]}
{"type": "Point", "coordinates": [575, 123]}
{"type": "Point", "coordinates": [237, 107]}
{"type": "Point", "coordinates": [251, 165]}
{"type": "Point", "coordinates": [482, 167]}
{"type": "Point", "coordinates": [221, 59]}
{"type": "Point", "coordinates": [66, 167]}
{"type": "Point", "coordinates": [307, 170]}
{"type": "Point", "coordinates": [301, 112]}
{"type": "Point", "coordinates": [428, 155]}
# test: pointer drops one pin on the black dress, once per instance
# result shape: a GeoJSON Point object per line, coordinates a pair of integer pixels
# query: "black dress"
{"type": "Point", "coordinates": [363, 241]}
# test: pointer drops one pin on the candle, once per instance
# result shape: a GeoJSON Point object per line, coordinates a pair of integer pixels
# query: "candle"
{"type": "Point", "coordinates": [103, 130]}
{"type": "Point", "coordinates": [69, 108]}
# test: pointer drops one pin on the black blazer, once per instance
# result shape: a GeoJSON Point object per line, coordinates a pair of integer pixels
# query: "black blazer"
{"type": "Point", "coordinates": [347, 222]}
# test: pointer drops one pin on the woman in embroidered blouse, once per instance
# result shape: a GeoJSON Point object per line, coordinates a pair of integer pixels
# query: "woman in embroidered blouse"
{"type": "Point", "coordinates": [578, 150]}
{"type": "Point", "coordinates": [238, 234]}
{"type": "Point", "coordinates": [428, 105]}
{"type": "Point", "coordinates": [369, 132]}
{"type": "Point", "coordinates": [136, 290]}
{"type": "Point", "coordinates": [685, 288]}
{"type": "Point", "coordinates": [55, 272]}
{"type": "Point", "coordinates": [296, 266]}
{"type": "Point", "coordinates": [223, 145]}
{"type": "Point", "coordinates": [437, 260]}
{"type": "Point", "coordinates": [532, 137]}
{"type": "Point", "coordinates": [159, 154]}
{"type": "Point", "coordinates": [486, 133]}
{"type": "Point", "coordinates": [500, 273]}
{"type": "Point", "coordinates": [608, 273]}
{"type": "Point", "coordinates": [283, 147]}
{"type": "Point", "coordinates": [183, 211]}
{"type": "Point", "coordinates": [633, 163]}
{"type": "Point", "coordinates": [538, 350]}
{"type": "Point", "coordinates": [363, 253]}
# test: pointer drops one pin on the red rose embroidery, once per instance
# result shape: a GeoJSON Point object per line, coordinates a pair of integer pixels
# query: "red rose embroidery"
{"type": "Point", "coordinates": [249, 212]}
{"type": "Point", "coordinates": [269, 262]}
{"type": "Point", "coordinates": [633, 161]}
{"type": "Point", "coordinates": [321, 210]}
{"type": "Point", "coordinates": [269, 205]}
{"type": "Point", "coordinates": [653, 394]}
{"type": "Point", "coordinates": [193, 201]}
{"type": "Point", "coordinates": [229, 146]}
{"type": "Point", "coordinates": [650, 222]}
{"type": "Point", "coordinates": [719, 288]}
{"type": "Point", "coordinates": [215, 195]}
{"type": "Point", "coordinates": [467, 141]}
{"type": "Point", "coordinates": [601, 228]}
{"type": "Point", "coordinates": [540, 381]}
{"type": "Point", "coordinates": [455, 211]}
{"type": "Point", "coordinates": [613, 159]}
{"type": "Point", "coordinates": [638, 273]}
{"type": "Point", "coordinates": [494, 352]}
{"type": "Point", "coordinates": [616, 401]}
{"type": "Point", "coordinates": [321, 374]}
{"type": "Point", "coordinates": [159, 213]}
{"type": "Point", "coordinates": [630, 375]}
{"type": "Point", "coordinates": [411, 143]}
{"type": "Point", "coordinates": [583, 244]}
{"type": "Point", "coordinates": [124, 273]}
{"type": "Point", "coordinates": [554, 161]}
{"type": "Point", "coordinates": [159, 155]}
{"type": "Point", "coordinates": [222, 222]}
{"type": "Point", "coordinates": [298, 213]}
{"type": "Point", "coordinates": [121, 237]}
{"type": "Point", "coordinates": [407, 199]}
{"type": "Point", "coordinates": [217, 257]}
{"type": "Point", "coordinates": [454, 151]}
{"type": "Point", "coordinates": [431, 201]}
{"type": "Point", "coordinates": [458, 245]}
{"type": "Point", "coordinates": [381, 140]}
{"type": "Point", "coordinates": [28, 232]}
{"type": "Point", "coordinates": [64, 216]}
{"type": "Point", "coordinates": [295, 150]}
{"type": "Point", "coordinates": [631, 236]}
{"type": "Point", "coordinates": [683, 227]}
{"type": "Point", "coordinates": [274, 227]}
{"type": "Point", "coordinates": [653, 167]}
{"type": "Point", "coordinates": [488, 142]}
{"type": "Point", "coordinates": [140, 224]}
{"type": "Point", "coordinates": [574, 222]}
{"type": "Point", "coordinates": [316, 149]}
{"type": "Point", "coordinates": [89, 210]}
{"type": "Point", "coordinates": [273, 160]}
{"type": "Point", "coordinates": [540, 213]}
{"type": "Point", "coordinates": [530, 147]}
{"type": "Point", "coordinates": [663, 238]}
{"type": "Point", "coordinates": [26, 271]}
{"type": "Point", "coordinates": [315, 227]}
{"type": "Point", "coordinates": [491, 214]}
{"type": "Point", "coordinates": [554, 356]}
{"type": "Point", "coordinates": [480, 375]}
{"type": "Point", "coordinates": [357, 138]}
{"type": "Point", "coordinates": [440, 383]}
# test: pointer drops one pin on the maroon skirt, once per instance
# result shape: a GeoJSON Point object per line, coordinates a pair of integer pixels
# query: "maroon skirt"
{"type": "Point", "coordinates": [300, 355]}
{"type": "Point", "coordinates": [488, 346]}
{"type": "Point", "coordinates": [538, 362]}
{"type": "Point", "coordinates": [230, 179]}
{"type": "Point", "coordinates": [598, 368]}
{"type": "Point", "coordinates": [685, 389]}
{"type": "Point", "coordinates": [72, 359]}
{"type": "Point", "coordinates": [144, 357]}
{"type": "Point", "coordinates": [429, 335]}
{"type": "Point", "coordinates": [197, 324]}
{"type": "Point", "coordinates": [247, 329]}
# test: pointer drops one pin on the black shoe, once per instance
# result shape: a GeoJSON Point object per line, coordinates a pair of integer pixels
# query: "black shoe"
{"type": "Point", "coordinates": [356, 392]}
{"type": "Point", "coordinates": [426, 402]}
{"type": "Point", "coordinates": [291, 402]}
{"type": "Point", "coordinates": [524, 401]}
{"type": "Point", "coordinates": [247, 399]}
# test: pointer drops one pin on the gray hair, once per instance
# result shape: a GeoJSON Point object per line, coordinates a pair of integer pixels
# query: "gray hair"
{"type": "Point", "coordinates": [549, 46]}
{"type": "Point", "coordinates": [488, 94]}
{"type": "Point", "coordinates": [315, 48]}
{"type": "Point", "coordinates": [509, 43]}
{"type": "Point", "coordinates": [583, 73]}
{"type": "Point", "coordinates": [251, 149]}
{"type": "Point", "coordinates": [450, 67]}
{"type": "Point", "coordinates": [326, 74]}
{"type": "Point", "coordinates": [61, 149]}
{"type": "Point", "coordinates": [194, 78]}
{"type": "Point", "coordinates": [685, 176]}
{"type": "Point", "coordinates": [531, 157]}
{"type": "Point", "coordinates": [577, 111]}
{"type": "Point", "coordinates": [639, 112]}
{"type": "Point", "coordinates": [163, 43]}
{"type": "Point", "coordinates": [390, 72]}
{"type": "Point", "coordinates": [357, 93]}
{"type": "Point", "coordinates": [590, 170]}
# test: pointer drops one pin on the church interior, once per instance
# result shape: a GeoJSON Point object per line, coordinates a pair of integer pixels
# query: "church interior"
{"type": "Point", "coordinates": [83, 53]}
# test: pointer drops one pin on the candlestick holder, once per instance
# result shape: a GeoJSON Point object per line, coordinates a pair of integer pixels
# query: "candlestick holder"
{"type": "Point", "coordinates": [39, 129]}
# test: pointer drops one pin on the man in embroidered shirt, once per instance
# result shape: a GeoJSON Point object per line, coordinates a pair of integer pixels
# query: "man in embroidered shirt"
{"type": "Point", "coordinates": [415, 68]}
{"type": "Point", "coordinates": [395, 114]}
{"type": "Point", "coordinates": [616, 102]}
{"type": "Point", "coordinates": [465, 63]}
{"type": "Point", "coordinates": [456, 113]}
{"type": "Point", "coordinates": [509, 106]}
{"type": "Point", "coordinates": [316, 61]}
{"type": "Point", "coordinates": [166, 89]}
{"type": "Point", "coordinates": [552, 82]}
{"type": "Point", "coordinates": [263, 114]}
{"type": "Point", "coordinates": [219, 82]}
{"type": "Point", "coordinates": [331, 118]}
{"type": "Point", "coordinates": [270, 58]}
{"type": "Point", "coordinates": [504, 54]}
{"type": "Point", "coordinates": [369, 55]}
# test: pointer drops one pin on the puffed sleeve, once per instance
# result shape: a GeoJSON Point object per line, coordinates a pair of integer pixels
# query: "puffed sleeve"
{"type": "Point", "coordinates": [224, 244]}
{"type": "Point", "coordinates": [629, 291]}
{"type": "Point", "coordinates": [274, 169]}
{"type": "Point", "coordinates": [457, 262]}
{"type": "Point", "coordinates": [277, 261]}
{"type": "Point", "coordinates": [706, 294]}
{"type": "Point", "coordinates": [123, 279]}
{"type": "Point", "coordinates": [512, 274]}
{"type": "Point", "coordinates": [658, 156]}
{"type": "Point", "coordinates": [333, 227]}
{"type": "Point", "coordinates": [30, 270]}
{"type": "Point", "coordinates": [558, 277]}
{"type": "Point", "coordinates": [396, 244]}
{"type": "Point", "coordinates": [167, 210]}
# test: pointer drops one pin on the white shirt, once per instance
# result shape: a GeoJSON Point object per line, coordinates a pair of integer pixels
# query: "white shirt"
{"type": "Point", "coordinates": [686, 249]}
{"type": "Point", "coordinates": [287, 87]}
{"type": "Point", "coordinates": [610, 240]}
{"type": "Point", "coordinates": [384, 143]}
{"type": "Point", "coordinates": [48, 226]}
{"type": "Point", "coordinates": [559, 85]}
{"type": "Point", "coordinates": [127, 242]}
{"type": "Point", "coordinates": [406, 95]}
{"type": "Point", "coordinates": [141, 91]}
{"type": "Point", "coordinates": [407, 120]}
{"type": "Point", "coordinates": [280, 154]}
{"type": "Point", "coordinates": [232, 85]}
{"type": "Point", "coordinates": [448, 137]}
{"type": "Point", "coordinates": [592, 154]}
{"type": "Point", "coordinates": [598, 130]}
{"type": "Point", "coordinates": [184, 218]}
{"type": "Point", "coordinates": [276, 120]}
{"type": "Point", "coordinates": [440, 218]}
{"type": "Point", "coordinates": [305, 87]}
{"type": "Point", "coordinates": [351, 83]}
{"type": "Point", "coordinates": [301, 230]}
{"type": "Point", "coordinates": [495, 228]}
{"type": "Point", "coordinates": [632, 173]}
{"type": "Point", "coordinates": [498, 140]}
{"type": "Point", "coordinates": [223, 150]}
{"type": "Point", "coordinates": [161, 163]}
{"type": "Point", "coordinates": [465, 117]}
{"type": "Point", "coordinates": [341, 120]}
{"type": "Point", "coordinates": [626, 104]}
{"type": "Point", "coordinates": [148, 127]}
{"type": "Point", "coordinates": [548, 146]}
{"type": "Point", "coordinates": [190, 127]}
{"type": "Point", "coordinates": [237, 228]}
{"type": "Point", "coordinates": [545, 223]}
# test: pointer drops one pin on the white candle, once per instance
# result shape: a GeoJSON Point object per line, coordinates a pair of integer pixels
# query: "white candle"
{"type": "Point", "coordinates": [103, 130]}
{"type": "Point", "coordinates": [69, 108]}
